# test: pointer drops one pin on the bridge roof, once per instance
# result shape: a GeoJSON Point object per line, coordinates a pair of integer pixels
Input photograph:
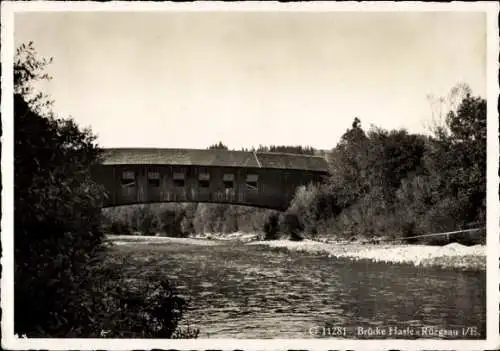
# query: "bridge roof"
{"type": "Point", "coordinates": [218, 158]}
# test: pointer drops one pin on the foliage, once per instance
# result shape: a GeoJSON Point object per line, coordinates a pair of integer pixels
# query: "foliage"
{"type": "Point", "coordinates": [219, 146]}
{"type": "Point", "coordinates": [57, 216]}
{"type": "Point", "coordinates": [181, 220]}
{"type": "Point", "coordinates": [144, 309]}
{"type": "Point", "coordinates": [293, 226]}
{"type": "Point", "coordinates": [169, 219]}
{"type": "Point", "coordinates": [59, 247]}
{"type": "Point", "coordinates": [271, 227]}
{"type": "Point", "coordinates": [297, 149]}
{"type": "Point", "coordinates": [393, 184]}
{"type": "Point", "coordinates": [442, 105]}
{"type": "Point", "coordinates": [28, 70]}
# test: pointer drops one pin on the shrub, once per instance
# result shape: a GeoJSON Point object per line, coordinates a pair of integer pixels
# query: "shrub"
{"type": "Point", "coordinates": [109, 305]}
{"type": "Point", "coordinates": [152, 309]}
{"type": "Point", "coordinates": [119, 228]}
{"type": "Point", "coordinates": [293, 226]}
{"type": "Point", "coordinates": [171, 222]}
{"type": "Point", "coordinates": [271, 227]}
{"type": "Point", "coordinates": [409, 231]}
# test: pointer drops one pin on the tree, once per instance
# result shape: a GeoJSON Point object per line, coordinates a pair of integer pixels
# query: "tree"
{"type": "Point", "coordinates": [391, 157]}
{"type": "Point", "coordinates": [291, 149]}
{"type": "Point", "coordinates": [442, 105]}
{"type": "Point", "coordinates": [218, 146]}
{"type": "Point", "coordinates": [57, 208]}
{"type": "Point", "coordinates": [451, 192]}
{"type": "Point", "coordinates": [467, 159]}
{"type": "Point", "coordinates": [29, 69]}
{"type": "Point", "coordinates": [62, 284]}
{"type": "Point", "coordinates": [349, 160]}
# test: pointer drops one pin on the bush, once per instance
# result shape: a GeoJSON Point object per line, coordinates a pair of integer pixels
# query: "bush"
{"type": "Point", "coordinates": [409, 231]}
{"type": "Point", "coordinates": [171, 223]}
{"type": "Point", "coordinates": [124, 309]}
{"type": "Point", "coordinates": [271, 227]}
{"type": "Point", "coordinates": [304, 208]}
{"type": "Point", "coordinates": [118, 227]}
{"type": "Point", "coordinates": [293, 226]}
{"type": "Point", "coordinates": [109, 305]}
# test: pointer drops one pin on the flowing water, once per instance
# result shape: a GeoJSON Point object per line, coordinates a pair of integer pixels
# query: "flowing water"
{"type": "Point", "coordinates": [247, 291]}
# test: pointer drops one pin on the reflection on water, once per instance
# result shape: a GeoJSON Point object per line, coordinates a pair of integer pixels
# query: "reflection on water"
{"type": "Point", "coordinates": [240, 291]}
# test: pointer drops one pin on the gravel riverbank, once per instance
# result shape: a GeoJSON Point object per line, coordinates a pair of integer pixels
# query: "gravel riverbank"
{"type": "Point", "coordinates": [144, 239]}
{"type": "Point", "coordinates": [453, 255]}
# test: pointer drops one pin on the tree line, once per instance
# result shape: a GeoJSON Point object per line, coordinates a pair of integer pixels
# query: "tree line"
{"type": "Point", "coordinates": [393, 183]}
{"type": "Point", "coordinates": [292, 149]}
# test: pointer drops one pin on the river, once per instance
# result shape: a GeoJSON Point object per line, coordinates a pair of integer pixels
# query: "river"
{"type": "Point", "coordinates": [252, 291]}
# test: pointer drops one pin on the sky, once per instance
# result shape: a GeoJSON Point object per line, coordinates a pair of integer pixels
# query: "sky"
{"type": "Point", "coordinates": [191, 79]}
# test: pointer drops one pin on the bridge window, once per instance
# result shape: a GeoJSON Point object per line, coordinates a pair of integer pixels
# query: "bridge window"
{"type": "Point", "coordinates": [204, 180]}
{"type": "Point", "coordinates": [178, 178]}
{"type": "Point", "coordinates": [228, 180]}
{"type": "Point", "coordinates": [154, 179]}
{"type": "Point", "coordinates": [128, 178]}
{"type": "Point", "coordinates": [251, 181]}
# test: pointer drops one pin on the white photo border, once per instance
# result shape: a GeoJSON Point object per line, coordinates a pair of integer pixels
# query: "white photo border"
{"type": "Point", "coordinates": [11, 341]}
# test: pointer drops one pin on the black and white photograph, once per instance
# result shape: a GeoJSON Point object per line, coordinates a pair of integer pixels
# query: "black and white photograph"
{"type": "Point", "coordinates": [250, 175]}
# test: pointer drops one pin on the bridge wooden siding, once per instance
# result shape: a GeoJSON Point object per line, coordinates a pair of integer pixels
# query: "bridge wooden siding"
{"type": "Point", "coordinates": [128, 183]}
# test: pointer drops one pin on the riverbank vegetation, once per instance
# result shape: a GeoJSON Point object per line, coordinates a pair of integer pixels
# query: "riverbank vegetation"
{"type": "Point", "coordinates": [383, 184]}
{"type": "Point", "coordinates": [393, 183]}
{"type": "Point", "coordinates": [65, 283]}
